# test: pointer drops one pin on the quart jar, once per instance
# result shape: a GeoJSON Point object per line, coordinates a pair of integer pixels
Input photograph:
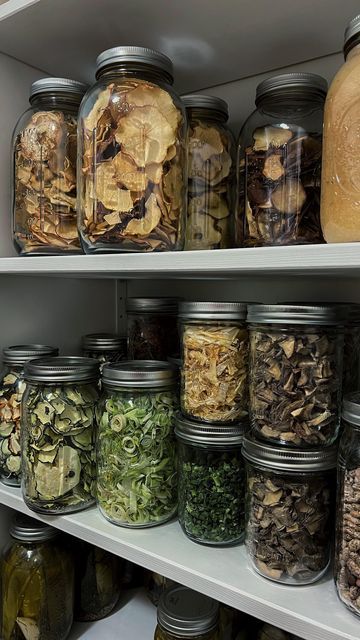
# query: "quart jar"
{"type": "Point", "coordinates": [136, 457]}
{"type": "Point", "coordinates": [132, 155]}
{"type": "Point", "coordinates": [37, 583]}
{"type": "Point", "coordinates": [12, 387]}
{"type": "Point", "coordinates": [211, 173]}
{"type": "Point", "coordinates": [183, 613]}
{"type": "Point", "coordinates": [58, 434]}
{"type": "Point", "coordinates": [289, 511]}
{"type": "Point", "coordinates": [104, 347]}
{"type": "Point", "coordinates": [44, 171]}
{"type": "Point", "coordinates": [279, 163]}
{"type": "Point", "coordinates": [152, 328]}
{"type": "Point", "coordinates": [211, 484]}
{"type": "Point", "coordinates": [295, 373]}
{"type": "Point", "coordinates": [214, 374]}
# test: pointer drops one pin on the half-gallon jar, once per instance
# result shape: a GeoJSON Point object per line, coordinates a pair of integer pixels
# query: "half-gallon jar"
{"type": "Point", "coordinates": [152, 328]}
{"type": "Point", "coordinates": [183, 613]}
{"type": "Point", "coordinates": [104, 347]}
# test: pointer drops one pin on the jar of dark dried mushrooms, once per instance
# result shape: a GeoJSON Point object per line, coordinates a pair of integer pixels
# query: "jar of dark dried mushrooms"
{"type": "Point", "coordinates": [289, 511]}
{"type": "Point", "coordinates": [279, 168]}
{"type": "Point", "coordinates": [132, 128]}
{"type": "Point", "coordinates": [44, 173]}
{"type": "Point", "coordinates": [295, 373]}
{"type": "Point", "coordinates": [152, 328]}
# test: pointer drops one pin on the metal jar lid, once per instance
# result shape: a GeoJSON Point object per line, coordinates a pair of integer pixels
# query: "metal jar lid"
{"type": "Point", "coordinates": [202, 101]}
{"type": "Point", "coordinates": [202, 433]}
{"type": "Point", "coordinates": [58, 85]}
{"type": "Point", "coordinates": [138, 55]}
{"type": "Point", "coordinates": [295, 314]}
{"type": "Point", "coordinates": [187, 613]}
{"type": "Point", "coordinates": [29, 530]}
{"type": "Point", "coordinates": [62, 369]}
{"type": "Point", "coordinates": [351, 408]}
{"type": "Point", "coordinates": [300, 80]}
{"type": "Point", "coordinates": [212, 310]}
{"type": "Point", "coordinates": [19, 354]}
{"type": "Point", "coordinates": [139, 374]}
{"type": "Point", "coordinates": [103, 342]}
{"type": "Point", "coordinates": [152, 305]}
{"type": "Point", "coordinates": [286, 459]}
{"type": "Point", "coordinates": [352, 34]}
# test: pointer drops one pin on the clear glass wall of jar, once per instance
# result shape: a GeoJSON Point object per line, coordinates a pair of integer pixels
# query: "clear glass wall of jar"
{"type": "Point", "coordinates": [152, 328]}
{"type": "Point", "coordinates": [289, 511]}
{"type": "Point", "coordinates": [104, 347]}
{"type": "Point", "coordinates": [351, 373]}
{"type": "Point", "coordinates": [132, 155]}
{"type": "Point", "coordinates": [58, 434]}
{"type": "Point", "coordinates": [279, 163]}
{"type": "Point", "coordinates": [12, 387]}
{"type": "Point", "coordinates": [211, 174]}
{"type": "Point", "coordinates": [37, 583]}
{"type": "Point", "coordinates": [136, 449]}
{"type": "Point", "coordinates": [183, 613]}
{"type": "Point", "coordinates": [295, 373]}
{"type": "Point", "coordinates": [44, 174]}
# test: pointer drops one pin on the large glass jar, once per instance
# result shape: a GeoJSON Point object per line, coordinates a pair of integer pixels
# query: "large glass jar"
{"type": "Point", "coordinates": [58, 434]}
{"type": "Point", "coordinates": [183, 613]}
{"type": "Point", "coordinates": [12, 387]}
{"type": "Point", "coordinates": [44, 173]}
{"type": "Point", "coordinates": [289, 511]}
{"type": "Point", "coordinates": [295, 373]}
{"type": "Point", "coordinates": [215, 361]}
{"type": "Point", "coordinates": [211, 173]}
{"type": "Point", "coordinates": [279, 163]}
{"type": "Point", "coordinates": [136, 461]}
{"type": "Point", "coordinates": [132, 155]}
{"type": "Point", "coordinates": [211, 485]}
{"type": "Point", "coordinates": [152, 328]}
{"type": "Point", "coordinates": [37, 584]}
{"type": "Point", "coordinates": [104, 347]}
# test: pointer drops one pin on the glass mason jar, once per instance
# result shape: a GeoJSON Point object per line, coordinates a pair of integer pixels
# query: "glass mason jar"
{"type": "Point", "coordinates": [211, 485]}
{"type": "Point", "coordinates": [104, 347]}
{"type": "Point", "coordinates": [295, 373]}
{"type": "Point", "coordinates": [183, 613]}
{"type": "Point", "coordinates": [152, 328]}
{"type": "Point", "coordinates": [12, 387]}
{"type": "Point", "coordinates": [44, 172]}
{"type": "Point", "coordinates": [289, 511]}
{"type": "Point", "coordinates": [132, 155]}
{"type": "Point", "coordinates": [37, 584]}
{"type": "Point", "coordinates": [211, 173]}
{"type": "Point", "coordinates": [136, 461]}
{"type": "Point", "coordinates": [58, 434]}
{"type": "Point", "coordinates": [279, 163]}
{"type": "Point", "coordinates": [215, 361]}
{"type": "Point", "coordinates": [351, 370]}
{"type": "Point", "coordinates": [156, 585]}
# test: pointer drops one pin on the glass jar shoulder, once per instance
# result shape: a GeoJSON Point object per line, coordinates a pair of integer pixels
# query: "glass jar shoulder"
{"type": "Point", "coordinates": [346, 81]}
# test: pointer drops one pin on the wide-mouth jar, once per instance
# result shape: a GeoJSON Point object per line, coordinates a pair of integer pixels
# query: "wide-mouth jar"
{"type": "Point", "coordinates": [104, 347]}
{"type": "Point", "coordinates": [183, 613]}
{"type": "Point", "coordinates": [152, 328]}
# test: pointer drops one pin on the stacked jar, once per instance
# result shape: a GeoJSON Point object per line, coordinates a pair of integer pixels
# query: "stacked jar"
{"type": "Point", "coordinates": [152, 328]}
{"type": "Point", "coordinates": [183, 613]}
{"type": "Point", "coordinates": [104, 347]}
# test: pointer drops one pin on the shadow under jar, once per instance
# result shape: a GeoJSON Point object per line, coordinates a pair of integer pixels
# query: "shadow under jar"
{"type": "Point", "coordinates": [183, 613]}
{"type": "Point", "coordinates": [279, 163]}
{"type": "Point", "coordinates": [295, 373]}
{"type": "Point", "coordinates": [289, 511]}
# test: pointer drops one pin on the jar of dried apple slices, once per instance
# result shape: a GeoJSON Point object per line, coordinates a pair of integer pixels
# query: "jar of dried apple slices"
{"type": "Point", "coordinates": [132, 155]}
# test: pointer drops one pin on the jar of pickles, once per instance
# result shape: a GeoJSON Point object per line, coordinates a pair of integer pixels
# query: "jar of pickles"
{"type": "Point", "coordinates": [215, 361]}
{"type": "Point", "coordinates": [44, 178]}
{"type": "Point", "coordinates": [152, 328]}
{"type": "Point", "coordinates": [184, 613]}
{"type": "Point", "coordinates": [211, 172]}
{"type": "Point", "coordinates": [104, 347]}
{"type": "Point", "coordinates": [58, 434]}
{"type": "Point", "coordinates": [12, 387]}
{"type": "Point", "coordinates": [136, 461]}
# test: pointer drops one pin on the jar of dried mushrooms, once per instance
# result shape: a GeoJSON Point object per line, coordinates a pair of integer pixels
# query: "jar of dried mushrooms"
{"type": "Point", "coordinates": [214, 374]}
{"type": "Point", "coordinates": [211, 173]}
{"type": "Point", "coordinates": [58, 434]}
{"type": "Point", "coordinates": [183, 613]}
{"type": "Point", "coordinates": [132, 145]}
{"type": "Point", "coordinates": [295, 373]}
{"type": "Point", "coordinates": [44, 172]}
{"type": "Point", "coordinates": [152, 328]}
{"type": "Point", "coordinates": [104, 347]}
{"type": "Point", "coordinates": [279, 168]}
{"type": "Point", "coordinates": [289, 511]}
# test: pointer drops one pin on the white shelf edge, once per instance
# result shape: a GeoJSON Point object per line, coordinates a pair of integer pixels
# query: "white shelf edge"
{"type": "Point", "coordinates": [10, 7]}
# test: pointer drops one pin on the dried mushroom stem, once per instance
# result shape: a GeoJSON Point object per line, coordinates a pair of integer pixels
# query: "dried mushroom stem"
{"type": "Point", "coordinates": [12, 389]}
{"type": "Point", "coordinates": [348, 541]}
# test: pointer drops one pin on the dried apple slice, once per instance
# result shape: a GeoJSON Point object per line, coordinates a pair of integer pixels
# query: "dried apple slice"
{"type": "Point", "coordinates": [273, 168]}
{"type": "Point", "coordinates": [145, 134]}
{"type": "Point", "coordinates": [127, 173]}
{"type": "Point", "coordinates": [108, 192]}
{"type": "Point", "coordinates": [206, 141]}
{"type": "Point", "coordinates": [102, 102]}
{"type": "Point", "coordinates": [151, 219]}
{"type": "Point", "coordinates": [42, 135]}
{"type": "Point", "coordinates": [289, 197]}
{"type": "Point", "coordinates": [266, 137]}
{"type": "Point", "coordinates": [173, 186]}
{"type": "Point", "coordinates": [148, 95]}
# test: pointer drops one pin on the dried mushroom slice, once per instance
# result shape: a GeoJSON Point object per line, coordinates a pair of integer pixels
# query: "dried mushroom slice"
{"type": "Point", "coordinates": [145, 134]}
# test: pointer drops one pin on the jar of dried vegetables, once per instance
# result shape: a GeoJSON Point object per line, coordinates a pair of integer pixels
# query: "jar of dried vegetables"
{"type": "Point", "coordinates": [152, 328]}
{"type": "Point", "coordinates": [211, 485]}
{"type": "Point", "coordinates": [215, 361]}
{"type": "Point", "coordinates": [279, 158]}
{"type": "Point", "coordinates": [136, 461]}
{"type": "Point", "coordinates": [295, 373]}
{"type": "Point", "coordinates": [183, 613]}
{"type": "Point", "coordinates": [44, 173]}
{"type": "Point", "coordinates": [12, 387]}
{"type": "Point", "coordinates": [58, 434]}
{"type": "Point", "coordinates": [37, 584]}
{"type": "Point", "coordinates": [211, 172]}
{"type": "Point", "coordinates": [289, 511]}
{"type": "Point", "coordinates": [104, 347]}
{"type": "Point", "coordinates": [132, 135]}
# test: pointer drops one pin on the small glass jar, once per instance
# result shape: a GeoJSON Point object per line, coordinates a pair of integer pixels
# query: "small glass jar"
{"type": "Point", "coordinates": [289, 511]}
{"type": "Point", "coordinates": [37, 584]}
{"type": "Point", "coordinates": [136, 450]}
{"type": "Point", "coordinates": [211, 173]}
{"type": "Point", "coordinates": [58, 434]}
{"type": "Point", "coordinates": [44, 174]}
{"type": "Point", "coordinates": [183, 613]}
{"type": "Point", "coordinates": [152, 328]}
{"type": "Point", "coordinates": [132, 155]}
{"type": "Point", "coordinates": [211, 485]}
{"type": "Point", "coordinates": [295, 373]}
{"type": "Point", "coordinates": [12, 387]}
{"type": "Point", "coordinates": [104, 347]}
{"type": "Point", "coordinates": [214, 375]}
{"type": "Point", "coordinates": [279, 163]}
